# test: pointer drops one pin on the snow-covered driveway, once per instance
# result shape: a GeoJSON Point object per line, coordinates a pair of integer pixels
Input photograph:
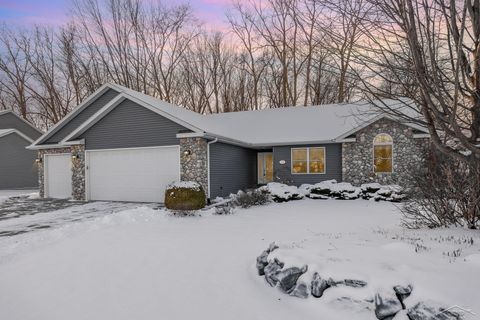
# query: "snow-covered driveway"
{"type": "Point", "coordinates": [144, 264]}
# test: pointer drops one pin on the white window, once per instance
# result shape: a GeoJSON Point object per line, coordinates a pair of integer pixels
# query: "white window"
{"type": "Point", "coordinates": [308, 160]}
{"type": "Point", "coordinates": [383, 153]}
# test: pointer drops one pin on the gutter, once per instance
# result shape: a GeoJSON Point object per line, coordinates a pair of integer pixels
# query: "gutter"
{"type": "Point", "coordinates": [208, 164]}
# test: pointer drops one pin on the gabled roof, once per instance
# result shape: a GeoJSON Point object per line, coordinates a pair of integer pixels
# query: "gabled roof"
{"type": "Point", "coordinates": [19, 124]}
{"type": "Point", "coordinates": [260, 128]}
{"type": "Point", "coordinates": [6, 132]}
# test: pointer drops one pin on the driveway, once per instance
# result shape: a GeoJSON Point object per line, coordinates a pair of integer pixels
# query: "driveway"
{"type": "Point", "coordinates": [22, 214]}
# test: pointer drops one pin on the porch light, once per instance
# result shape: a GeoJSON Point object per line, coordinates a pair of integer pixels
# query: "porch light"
{"type": "Point", "coordinates": [75, 156]}
{"type": "Point", "coordinates": [187, 152]}
{"type": "Point", "coordinates": [38, 160]}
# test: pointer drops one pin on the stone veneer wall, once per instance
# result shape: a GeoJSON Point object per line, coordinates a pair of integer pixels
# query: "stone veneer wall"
{"type": "Point", "coordinates": [78, 170]}
{"type": "Point", "coordinates": [194, 167]}
{"type": "Point", "coordinates": [357, 157]}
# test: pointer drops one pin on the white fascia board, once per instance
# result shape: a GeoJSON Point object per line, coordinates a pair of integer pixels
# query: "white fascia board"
{"type": "Point", "coordinates": [74, 112]}
{"type": "Point", "coordinates": [191, 135]}
{"type": "Point", "coordinates": [17, 132]}
{"type": "Point", "coordinates": [45, 146]}
{"type": "Point", "coordinates": [94, 118]}
{"type": "Point", "coordinates": [73, 143]}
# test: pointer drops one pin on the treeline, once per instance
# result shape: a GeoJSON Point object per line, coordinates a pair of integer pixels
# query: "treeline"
{"type": "Point", "coordinates": [275, 53]}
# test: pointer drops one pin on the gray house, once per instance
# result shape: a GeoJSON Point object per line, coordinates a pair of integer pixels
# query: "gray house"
{"type": "Point", "coordinates": [17, 164]}
{"type": "Point", "coordinates": [120, 144]}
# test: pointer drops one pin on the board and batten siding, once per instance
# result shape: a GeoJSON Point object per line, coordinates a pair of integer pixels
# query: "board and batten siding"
{"type": "Point", "coordinates": [11, 121]}
{"type": "Point", "coordinates": [232, 168]}
{"type": "Point", "coordinates": [283, 173]}
{"type": "Point", "coordinates": [80, 118]}
{"type": "Point", "coordinates": [130, 125]}
{"type": "Point", "coordinates": [17, 164]}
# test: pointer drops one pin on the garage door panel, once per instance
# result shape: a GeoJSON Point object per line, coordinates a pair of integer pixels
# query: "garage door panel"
{"type": "Point", "coordinates": [58, 176]}
{"type": "Point", "coordinates": [132, 174]}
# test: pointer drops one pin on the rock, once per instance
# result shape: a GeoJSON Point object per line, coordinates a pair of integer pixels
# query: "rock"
{"type": "Point", "coordinates": [287, 279]}
{"type": "Point", "coordinates": [355, 283]}
{"type": "Point", "coordinates": [422, 311]}
{"type": "Point", "coordinates": [272, 270]}
{"type": "Point", "coordinates": [319, 285]}
{"type": "Point", "coordinates": [403, 293]}
{"type": "Point", "coordinates": [262, 259]}
{"type": "Point", "coordinates": [300, 290]}
{"type": "Point", "coordinates": [386, 306]}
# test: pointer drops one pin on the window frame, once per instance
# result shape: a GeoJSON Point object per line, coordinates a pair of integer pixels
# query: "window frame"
{"type": "Point", "coordinates": [308, 160]}
{"type": "Point", "coordinates": [382, 144]}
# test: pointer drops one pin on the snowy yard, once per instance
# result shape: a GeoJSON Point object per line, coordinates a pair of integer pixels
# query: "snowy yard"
{"type": "Point", "coordinates": [141, 263]}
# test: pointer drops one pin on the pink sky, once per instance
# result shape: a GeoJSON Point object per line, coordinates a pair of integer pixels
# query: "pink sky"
{"type": "Point", "coordinates": [55, 12]}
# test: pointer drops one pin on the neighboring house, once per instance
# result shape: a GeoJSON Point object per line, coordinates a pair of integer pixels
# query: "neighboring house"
{"type": "Point", "coordinates": [17, 164]}
{"type": "Point", "coordinates": [120, 144]}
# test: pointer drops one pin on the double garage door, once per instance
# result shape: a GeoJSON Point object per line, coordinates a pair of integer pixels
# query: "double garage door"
{"type": "Point", "coordinates": [140, 174]}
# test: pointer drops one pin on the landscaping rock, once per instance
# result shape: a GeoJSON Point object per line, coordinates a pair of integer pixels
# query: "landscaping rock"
{"type": "Point", "coordinates": [262, 259]}
{"type": "Point", "coordinates": [287, 279]}
{"type": "Point", "coordinates": [402, 293]}
{"type": "Point", "coordinates": [272, 270]}
{"type": "Point", "coordinates": [386, 306]}
{"type": "Point", "coordinates": [300, 290]}
{"type": "Point", "coordinates": [422, 311]}
{"type": "Point", "coordinates": [355, 283]}
{"type": "Point", "coordinates": [319, 285]}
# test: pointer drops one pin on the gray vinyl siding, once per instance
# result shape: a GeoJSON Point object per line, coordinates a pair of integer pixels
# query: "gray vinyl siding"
{"type": "Point", "coordinates": [232, 168]}
{"type": "Point", "coordinates": [333, 157]}
{"type": "Point", "coordinates": [80, 118]}
{"type": "Point", "coordinates": [17, 164]}
{"type": "Point", "coordinates": [130, 125]}
{"type": "Point", "coordinates": [11, 121]}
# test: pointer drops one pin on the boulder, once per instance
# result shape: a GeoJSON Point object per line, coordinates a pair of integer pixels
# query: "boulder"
{"type": "Point", "coordinates": [272, 270]}
{"type": "Point", "coordinates": [402, 293]}
{"type": "Point", "coordinates": [422, 311]}
{"type": "Point", "coordinates": [354, 283]}
{"type": "Point", "coordinates": [300, 290]}
{"type": "Point", "coordinates": [287, 279]}
{"type": "Point", "coordinates": [262, 259]}
{"type": "Point", "coordinates": [386, 306]}
{"type": "Point", "coordinates": [319, 285]}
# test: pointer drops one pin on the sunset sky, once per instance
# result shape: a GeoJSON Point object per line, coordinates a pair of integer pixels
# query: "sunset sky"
{"type": "Point", "coordinates": [55, 12]}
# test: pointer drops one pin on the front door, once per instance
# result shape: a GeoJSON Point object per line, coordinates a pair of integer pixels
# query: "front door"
{"type": "Point", "coordinates": [265, 167]}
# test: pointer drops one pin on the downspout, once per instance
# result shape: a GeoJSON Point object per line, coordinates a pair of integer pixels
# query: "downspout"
{"type": "Point", "coordinates": [208, 165]}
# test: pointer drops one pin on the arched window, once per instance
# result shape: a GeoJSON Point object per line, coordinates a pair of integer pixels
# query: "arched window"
{"type": "Point", "coordinates": [383, 153]}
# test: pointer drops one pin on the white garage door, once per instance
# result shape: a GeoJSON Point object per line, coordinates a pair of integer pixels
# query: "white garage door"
{"type": "Point", "coordinates": [58, 176]}
{"type": "Point", "coordinates": [132, 174]}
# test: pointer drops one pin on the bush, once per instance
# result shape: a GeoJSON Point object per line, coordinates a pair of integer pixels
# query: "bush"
{"type": "Point", "coordinates": [445, 192]}
{"type": "Point", "coordinates": [251, 198]}
{"type": "Point", "coordinates": [224, 210]}
{"type": "Point", "coordinates": [184, 196]}
{"type": "Point", "coordinates": [281, 192]}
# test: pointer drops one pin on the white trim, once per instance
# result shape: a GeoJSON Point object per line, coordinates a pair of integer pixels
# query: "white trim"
{"type": "Point", "coordinates": [73, 143]}
{"type": "Point", "coordinates": [308, 160]}
{"type": "Point", "coordinates": [95, 95]}
{"type": "Point", "coordinates": [191, 135]}
{"type": "Point", "coordinates": [10, 131]}
{"type": "Point", "coordinates": [348, 140]}
{"type": "Point", "coordinates": [374, 119]}
{"type": "Point", "coordinates": [381, 144]}
{"type": "Point", "coordinates": [46, 146]}
{"type": "Point", "coordinates": [87, 162]}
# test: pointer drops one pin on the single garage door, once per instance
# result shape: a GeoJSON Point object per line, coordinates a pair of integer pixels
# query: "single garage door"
{"type": "Point", "coordinates": [58, 176]}
{"type": "Point", "coordinates": [140, 174]}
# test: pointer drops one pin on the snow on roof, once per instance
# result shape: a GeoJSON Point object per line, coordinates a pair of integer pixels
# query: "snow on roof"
{"type": "Point", "coordinates": [276, 126]}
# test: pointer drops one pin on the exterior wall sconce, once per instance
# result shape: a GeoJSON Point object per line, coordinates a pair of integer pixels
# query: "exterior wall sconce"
{"type": "Point", "coordinates": [38, 160]}
{"type": "Point", "coordinates": [187, 152]}
{"type": "Point", "coordinates": [75, 156]}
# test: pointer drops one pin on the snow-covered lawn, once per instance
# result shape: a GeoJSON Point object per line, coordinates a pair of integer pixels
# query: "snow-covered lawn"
{"type": "Point", "coordinates": [5, 194]}
{"type": "Point", "coordinates": [144, 264]}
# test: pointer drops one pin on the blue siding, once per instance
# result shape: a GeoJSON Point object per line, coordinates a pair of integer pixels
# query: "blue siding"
{"type": "Point", "coordinates": [130, 125]}
{"type": "Point", "coordinates": [80, 118]}
{"type": "Point", "coordinates": [282, 173]}
{"type": "Point", "coordinates": [17, 164]}
{"type": "Point", "coordinates": [232, 168]}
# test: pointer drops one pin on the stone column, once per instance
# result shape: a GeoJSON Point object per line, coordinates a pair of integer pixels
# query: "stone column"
{"type": "Point", "coordinates": [193, 161]}
{"type": "Point", "coordinates": [78, 172]}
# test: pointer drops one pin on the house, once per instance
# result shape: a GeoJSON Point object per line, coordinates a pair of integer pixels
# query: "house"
{"type": "Point", "coordinates": [17, 164]}
{"type": "Point", "coordinates": [120, 144]}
